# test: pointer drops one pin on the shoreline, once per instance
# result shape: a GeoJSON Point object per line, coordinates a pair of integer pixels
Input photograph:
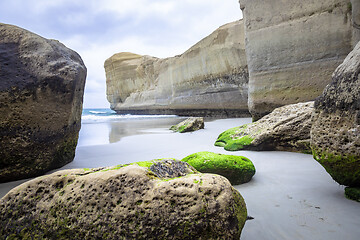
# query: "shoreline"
{"type": "Point", "coordinates": [290, 197]}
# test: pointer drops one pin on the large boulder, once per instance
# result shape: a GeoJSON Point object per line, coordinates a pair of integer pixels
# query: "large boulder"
{"type": "Point", "coordinates": [237, 169]}
{"type": "Point", "coordinates": [160, 201]}
{"type": "Point", "coordinates": [210, 78]}
{"type": "Point", "coordinates": [335, 133]}
{"type": "Point", "coordinates": [286, 128]}
{"type": "Point", "coordinates": [293, 47]}
{"type": "Point", "coordinates": [41, 93]}
{"type": "Point", "coordinates": [189, 125]}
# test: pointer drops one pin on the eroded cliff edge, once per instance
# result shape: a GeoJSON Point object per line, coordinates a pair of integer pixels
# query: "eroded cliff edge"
{"type": "Point", "coordinates": [293, 48]}
{"type": "Point", "coordinates": [211, 78]}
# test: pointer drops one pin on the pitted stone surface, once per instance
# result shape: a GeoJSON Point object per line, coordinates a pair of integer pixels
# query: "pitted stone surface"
{"type": "Point", "coordinates": [128, 202]}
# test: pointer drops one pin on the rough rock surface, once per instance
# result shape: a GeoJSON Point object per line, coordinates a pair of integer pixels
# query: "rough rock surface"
{"type": "Point", "coordinates": [123, 202]}
{"type": "Point", "coordinates": [237, 169]}
{"type": "Point", "coordinates": [210, 78]}
{"type": "Point", "coordinates": [286, 128]}
{"type": "Point", "coordinates": [41, 93]}
{"type": "Point", "coordinates": [293, 47]}
{"type": "Point", "coordinates": [189, 125]}
{"type": "Point", "coordinates": [335, 134]}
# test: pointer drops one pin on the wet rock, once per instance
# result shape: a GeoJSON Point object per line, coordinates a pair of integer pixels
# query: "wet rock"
{"type": "Point", "coordinates": [189, 125]}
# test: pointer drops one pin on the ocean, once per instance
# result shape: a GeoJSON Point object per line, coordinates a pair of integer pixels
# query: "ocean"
{"type": "Point", "coordinates": [97, 115]}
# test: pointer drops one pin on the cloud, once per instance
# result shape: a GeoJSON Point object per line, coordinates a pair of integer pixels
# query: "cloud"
{"type": "Point", "coordinates": [97, 29]}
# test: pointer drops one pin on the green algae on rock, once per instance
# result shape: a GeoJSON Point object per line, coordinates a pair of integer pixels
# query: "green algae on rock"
{"type": "Point", "coordinates": [189, 125]}
{"type": "Point", "coordinates": [124, 202]}
{"type": "Point", "coordinates": [237, 169]}
{"type": "Point", "coordinates": [287, 128]}
{"type": "Point", "coordinates": [352, 193]}
{"type": "Point", "coordinates": [231, 142]}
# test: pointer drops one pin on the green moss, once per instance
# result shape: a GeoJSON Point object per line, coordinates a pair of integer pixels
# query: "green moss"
{"type": "Point", "coordinates": [182, 128]}
{"type": "Point", "coordinates": [229, 142]}
{"type": "Point", "coordinates": [353, 193]}
{"type": "Point", "coordinates": [344, 169]}
{"type": "Point", "coordinates": [349, 7]}
{"type": "Point", "coordinates": [240, 209]}
{"type": "Point", "coordinates": [237, 169]}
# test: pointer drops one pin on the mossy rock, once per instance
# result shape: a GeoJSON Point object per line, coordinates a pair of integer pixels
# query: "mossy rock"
{"type": "Point", "coordinates": [353, 193]}
{"type": "Point", "coordinates": [230, 142]}
{"type": "Point", "coordinates": [343, 169]}
{"type": "Point", "coordinates": [286, 128]}
{"type": "Point", "coordinates": [236, 169]}
{"type": "Point", "coordinates": [124, 202]}
{"type": "Point", "coordinates": [189, 125]}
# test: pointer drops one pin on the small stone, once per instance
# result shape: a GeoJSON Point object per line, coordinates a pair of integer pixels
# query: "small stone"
{"type": "Point", "coordinates": [189, 125]}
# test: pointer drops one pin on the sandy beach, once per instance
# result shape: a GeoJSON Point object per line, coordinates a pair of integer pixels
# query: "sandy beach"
{"type": "Point", "coordinates": [290, 197]}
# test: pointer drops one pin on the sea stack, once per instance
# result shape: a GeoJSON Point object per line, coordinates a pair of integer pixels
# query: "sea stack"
{"type": "Point", "coordinates": [211, 78]}
{"type": "Point", "coordinates": [41, 93]}
{"type": "Point", "coordinates": [293, 47]}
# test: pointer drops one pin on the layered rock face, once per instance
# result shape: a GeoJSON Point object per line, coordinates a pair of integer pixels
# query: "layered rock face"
{"type": "Point", "coordinates": [286, 128]}
{"type": "Point", "coordinates": [210, 78]}
{"type": "Point", "coordinates": [162, 201]}
{"type": "Point", "coordinates": [335, 133]}
{"type": "Point", "coordinates": [41, 92]}
{"type": "Point", "coordinates": [293, 47]}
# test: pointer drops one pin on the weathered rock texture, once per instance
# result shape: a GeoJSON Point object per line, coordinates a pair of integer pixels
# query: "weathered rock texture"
{"type": "Point", "coordinates": [237, 169]}
{"type": "Point", "coordinates": [286, 128]}
{"type": "Point", "coordinates": [124, 202]}
{"type": "Point", "coordinates": [293, 47]}
{"type": "Point", "coordinates": [335, 134]}
{"type": "Point", "coordinates": [41, 92]}
{"type": "Point", "coordinates": [189, 125]}
{"type": "Point", "coordinates": [210, 78]}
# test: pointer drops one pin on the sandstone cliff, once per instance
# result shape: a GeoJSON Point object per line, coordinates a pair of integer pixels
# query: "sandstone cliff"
{"type": "Point", "coordinates": [41, 93]}
{"type": "Point", "coordinates": [208, 79]}
{"type": "Point", "coordinates": [293, 47]}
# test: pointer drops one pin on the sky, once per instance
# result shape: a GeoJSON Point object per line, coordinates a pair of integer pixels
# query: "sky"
{"type": "Point", "coordinates": [97, 29]}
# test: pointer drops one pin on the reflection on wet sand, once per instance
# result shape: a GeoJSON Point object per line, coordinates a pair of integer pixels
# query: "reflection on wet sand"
{"type": "Point", "coordinates": [122, 129]}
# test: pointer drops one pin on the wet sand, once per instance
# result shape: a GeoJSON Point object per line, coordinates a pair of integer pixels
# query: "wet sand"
{"type": "Point", "coordinates": [290, 197]}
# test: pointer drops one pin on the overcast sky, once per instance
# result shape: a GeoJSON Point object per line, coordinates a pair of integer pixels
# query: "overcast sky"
{"type": "Point", "coordinates": [97, 29]}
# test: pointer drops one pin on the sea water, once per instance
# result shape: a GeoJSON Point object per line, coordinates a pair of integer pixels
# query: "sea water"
{"type": "Point", "coordinates": [98, 115]}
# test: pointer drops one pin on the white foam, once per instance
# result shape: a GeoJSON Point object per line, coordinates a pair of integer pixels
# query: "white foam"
{"type": "Point", "coordinates": [97, 112]}
{"type": "Point", "coordinates": [115, 117]}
